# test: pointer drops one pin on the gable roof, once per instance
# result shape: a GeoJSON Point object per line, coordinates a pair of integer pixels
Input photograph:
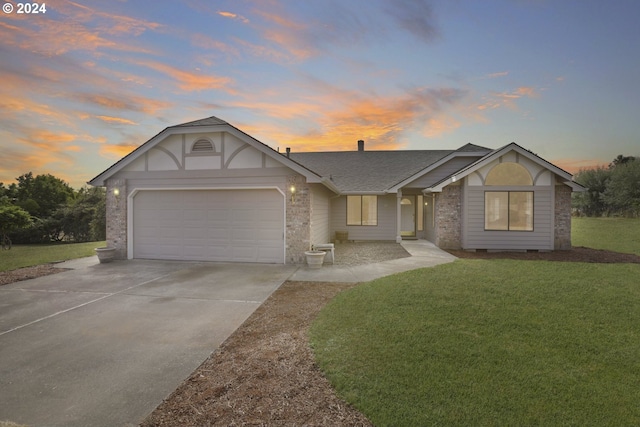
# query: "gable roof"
{"type": "Point", "coordinates": [379, 171]}
{"type": "Point", "coordinates": [349, 172]}
{"type": "Point", "coordinates": [209, 124]}
{"type": "Point", "coordinates": [367, 171]}
{"type": "Point", "coordinates": [495, 154]}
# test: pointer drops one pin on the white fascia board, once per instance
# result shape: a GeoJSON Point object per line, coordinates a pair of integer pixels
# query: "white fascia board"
{"type": "Point", "coordinates": [99, 180]}
{"type": "Point", "coordinates": [330, 185]}
{"type": "Point", "coordinates": [363, 193]}
{"type": "Point", "coordinates": [429, 168]}
{"type": "Point", "coordinates": [311, 176]}
{"type": "Point", "coordinates": [575, 186]}
{"type": "Point", "coordinates": [566, 176]}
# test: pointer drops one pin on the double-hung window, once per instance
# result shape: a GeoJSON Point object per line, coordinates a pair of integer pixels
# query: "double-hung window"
{"type": "Point", "coordinates": [362, 210]}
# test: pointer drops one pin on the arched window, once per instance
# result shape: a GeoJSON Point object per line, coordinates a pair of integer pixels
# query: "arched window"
{"type": "Point", "coordinates": [202, 145]}
{"type": "Point", "coordinates": [509, 173]}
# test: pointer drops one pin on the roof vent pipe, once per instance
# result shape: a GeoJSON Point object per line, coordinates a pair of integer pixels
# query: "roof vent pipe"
{"type": "Point", "coordinates": [360, 145]}
{"type": "Point", "coordinates": [288, 151]}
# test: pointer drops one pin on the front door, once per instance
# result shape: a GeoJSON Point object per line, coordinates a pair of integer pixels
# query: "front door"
{"type": "Point", "coordinates": [408, 216]}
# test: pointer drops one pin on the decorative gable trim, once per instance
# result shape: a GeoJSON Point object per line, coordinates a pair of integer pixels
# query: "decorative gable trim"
{"type": "Point", "coordinates": [564, 176]}
{"type": "Point", "coordinates": [267, 151]}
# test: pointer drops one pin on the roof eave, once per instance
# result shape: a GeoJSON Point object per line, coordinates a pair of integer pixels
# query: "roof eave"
{"type": "Point", "coordinates": [431, 167]}
{"type": "Point", "coordinates": [99, 181]}
{"type": "Point", "coordinates": [575, 186]}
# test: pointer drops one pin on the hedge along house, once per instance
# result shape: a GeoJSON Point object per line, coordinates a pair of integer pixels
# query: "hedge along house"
{"type": "Point", "coordinates": [205, 190]}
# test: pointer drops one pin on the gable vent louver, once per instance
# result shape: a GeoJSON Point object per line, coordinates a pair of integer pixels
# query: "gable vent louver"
{"type": "Point", "coordinates": [202, 145]}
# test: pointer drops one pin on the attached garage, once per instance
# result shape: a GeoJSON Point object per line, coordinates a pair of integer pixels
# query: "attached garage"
{"type": "Point", "coordinates": [206, 191]}
{"type": "Point", "coordinates": [234, 225]}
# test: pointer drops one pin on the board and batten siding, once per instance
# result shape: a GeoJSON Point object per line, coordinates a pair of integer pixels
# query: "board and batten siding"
{"type": "Point", "coordinates": [385, 230]}
{"type": "Point", "coordinates": [320, 207]}
{"type": "Point", "coordinates": [476, 237]}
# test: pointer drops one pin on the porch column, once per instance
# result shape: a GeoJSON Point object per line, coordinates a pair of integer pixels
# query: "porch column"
{"type": "Point", "coordinates": [399, 216]}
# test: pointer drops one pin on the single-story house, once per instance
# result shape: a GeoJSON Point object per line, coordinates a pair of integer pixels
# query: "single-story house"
{"type": "Point", "coordinates": [205, 190]}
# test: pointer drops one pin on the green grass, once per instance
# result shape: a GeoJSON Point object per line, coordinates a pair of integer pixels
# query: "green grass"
{"type": "Point", "coordinates": [614, 234]}
{"type": "Point", "coordinates": [481, 342]}
{"type": "Point", "coordinates": [503, 342]}
{"type": "Point", "coordinates": [28, 255]}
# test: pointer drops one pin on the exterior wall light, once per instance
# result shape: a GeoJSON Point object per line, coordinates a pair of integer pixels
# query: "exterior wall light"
{"type": "Point", "coordinates": [116, 194]}
{"type": "Point", "coordinates": [293, 193]}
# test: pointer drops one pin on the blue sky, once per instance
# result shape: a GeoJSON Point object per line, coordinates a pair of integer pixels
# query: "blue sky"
{"type": "Point", "coordinates": [88, 81]}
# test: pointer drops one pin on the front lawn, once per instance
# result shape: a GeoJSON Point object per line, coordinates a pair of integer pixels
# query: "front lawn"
{"type": "Point", "coordinates": [613, 234]}
{"type": "Point", "coordinates": [480, 342]}
{"type": "Point", "coordinates": [28, 255]}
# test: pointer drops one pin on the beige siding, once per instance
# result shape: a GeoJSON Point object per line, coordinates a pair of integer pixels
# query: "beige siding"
{"type": "Point", "coordinates": [385, 230]}
{"type": "Point", "coordinates": [320, 201]}
{"type": "Point", "coordinates": [475, 236]}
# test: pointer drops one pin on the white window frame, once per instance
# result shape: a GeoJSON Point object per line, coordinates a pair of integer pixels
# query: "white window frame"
{"type": "Point", "coordinates": [358, 218]}
{"type": "Point", "coordinates": [492, 213]}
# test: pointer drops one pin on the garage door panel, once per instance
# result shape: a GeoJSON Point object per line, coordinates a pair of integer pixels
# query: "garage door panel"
{"type": "Point", "coordinates": [209, 225]}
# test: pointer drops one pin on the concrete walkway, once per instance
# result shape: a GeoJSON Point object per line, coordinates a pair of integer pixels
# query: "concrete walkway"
{"type": "Point", "coordinates": [423, 254]}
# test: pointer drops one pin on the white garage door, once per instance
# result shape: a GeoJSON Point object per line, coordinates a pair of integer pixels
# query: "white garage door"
{"type": "Point", "coordinates": [209, 225]}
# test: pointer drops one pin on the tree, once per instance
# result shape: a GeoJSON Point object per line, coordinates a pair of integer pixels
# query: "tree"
{"type": "Point", "coordinates": [12, 218]}
{"type": "Point", "coordinates": [621, 160]}
{"type": "Point", "coordinates": [623, 188]}
{"type": "Point", "coordinates": [55, 210]}
{"type": "Point", "coordinates": [592, 202]}
{"type": "Point", "coordinates": [83, 218]}
{"type": "Point", "coordinates": [42, 195]}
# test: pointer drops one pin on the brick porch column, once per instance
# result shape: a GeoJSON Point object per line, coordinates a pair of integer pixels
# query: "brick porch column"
{"type": "Point", "coordinates": [117, 216]}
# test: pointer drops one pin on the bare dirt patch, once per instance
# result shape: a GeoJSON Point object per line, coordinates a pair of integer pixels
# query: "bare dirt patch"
{"type": "Point", "coordinates": [576, 254]}
{"type": "Point", "coordinates": [265, 373]}
{"type": "Point", "coordinates": [25, 273]}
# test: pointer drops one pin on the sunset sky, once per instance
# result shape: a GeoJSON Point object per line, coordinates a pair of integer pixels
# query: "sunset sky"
{"type": "Point", "coordinates": [85, 82]}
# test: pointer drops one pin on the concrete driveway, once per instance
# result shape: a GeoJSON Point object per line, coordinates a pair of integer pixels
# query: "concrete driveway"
{"type": "Point", "coordinates": [103, 344]}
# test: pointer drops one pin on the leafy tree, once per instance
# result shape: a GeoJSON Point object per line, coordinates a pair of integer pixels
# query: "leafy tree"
{"type": "Point", "coordinates": [99, 221]}
{"type": "Point", "coordinates": [592, 202]}
{"type": "Point", "coordinates": [12, 218]}
{"type": "Point", "coordinates": [43, 194]}
{"type": "Point", "coordinates": [83, 218]}
{"type": "Point", "coordinates": [621, 160]}
{"type": "Point", "coordinates": [623, 188]}
{"type": "Point", "coordinates": [40, 196]}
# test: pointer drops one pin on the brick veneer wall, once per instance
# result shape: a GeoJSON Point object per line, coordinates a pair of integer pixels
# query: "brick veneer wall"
{"type": "Point", "coordinates": [448, 217]}
{"type": "Point", "coordinates": [298, 225]}
{"type": "Point", "coordinates": [117, 217]}
{"type": "Point", "coordinates": [562, 227]}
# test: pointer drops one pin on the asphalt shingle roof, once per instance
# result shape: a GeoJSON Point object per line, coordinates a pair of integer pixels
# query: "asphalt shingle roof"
{"type": "Point", "coordinates": [209, 121]}
{"type": "Point", "coordinates": [368, 171]}
{"type": "Point", "coordinates": [361, 171]}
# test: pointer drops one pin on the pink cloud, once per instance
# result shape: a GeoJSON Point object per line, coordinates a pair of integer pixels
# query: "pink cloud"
{"type": "Point", "coordinates": [116, 120]}
{"type": "Point", "coordinates": [235, 16]}
{"type": "Point", "coordinates": [190, 81]}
